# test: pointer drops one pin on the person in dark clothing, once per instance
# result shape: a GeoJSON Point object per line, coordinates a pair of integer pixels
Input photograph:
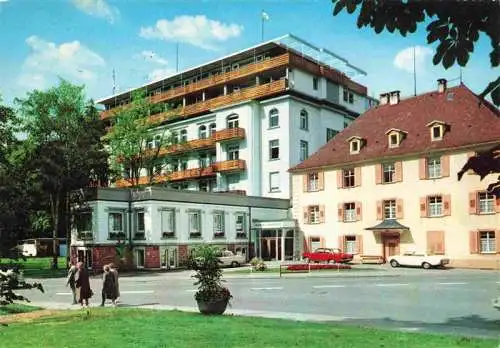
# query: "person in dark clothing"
{"type": "Point", "coordinates": [70, 281]}
{"type": "Point", "coordinates": [82, 283]}
{"type": "Point", "coordinates": [108, 286]}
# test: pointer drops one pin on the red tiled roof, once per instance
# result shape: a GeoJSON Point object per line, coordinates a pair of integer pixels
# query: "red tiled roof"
{"type": "Point", "coordinates": [470, 123]}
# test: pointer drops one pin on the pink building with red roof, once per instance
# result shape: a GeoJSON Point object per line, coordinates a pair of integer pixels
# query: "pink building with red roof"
{"type": "Point", "coordinates": [388, 183]}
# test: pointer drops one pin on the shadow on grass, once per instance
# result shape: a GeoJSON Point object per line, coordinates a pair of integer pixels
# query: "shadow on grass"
{"type": "Point", "coordinates": [17, 308]}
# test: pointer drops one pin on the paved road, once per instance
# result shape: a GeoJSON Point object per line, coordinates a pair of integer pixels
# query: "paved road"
{"type": "Point", "coordinates": [452, 301]}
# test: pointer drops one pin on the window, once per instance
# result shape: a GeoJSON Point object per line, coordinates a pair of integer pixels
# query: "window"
{"type": "Point", "coordinates": [274, 149]}
{"type": "Point", "coordinates": [314, 214]}
{"type": "Point", "coordinates": [304, 120]}
{"type": "Point", "coordinates": [345, 95]}
{"type": "Point", "coordinates": [213, 127]}
{"type": "Point", "coordinates": [83, 222]}
{"type": "Point", "coordinates": [435, 206]}
{"type": "Point", "coordinates": [349, 212]}
{"type": "Point", "coordinates": [487, 242]}
{"type": "Point", "coordinates": [194, 224]}
{"type": "Point", "coordinates": [346, 124]}
{"type": "Point", "coordinates": [394, 140]}
{"type": "Point", "coordinates": [139, 221]}
{"type": "Point", "coordinates": [390, 209]}
{"type": "Point", "coordinates": [219, 224]}
{"type": "Point", "coordinates": [184, 136]}
{"type": "Point", "coordinates": [168, 223]}
{"type": "Point", "coordinates": [204, 186]}
{"type": "Point", "coordinates": [175, 138]}
{"type": "Point", "coordinates": [313, 182]}
{"type": "Point", "coordinates": [202, 132]}
{"type": "Point", "coordinates": [274, 118]}
{"type": "Point", "coordinates": [204, 161]}
{"type": "Point", "coordinates": [437, 132]}
{"type": "Point", "coordinates": [139, 254]}
{"type": "Point", "coordinates": [315, 83]}
{"type": "Point", "coordinates": [182, 165]}
{"type": "Point", "coordinates": [486, 203]}
{"type": "Point", "coordinates": [233, 152]}
{"type": "Point", "coordinates": [331, 133]}
{"type": "Point", "coordinates": [351, 98]}
{"type": "Point", "coordinates": [354, 146]}
{"type": "Point", "coordinates": [115, 222]}
{"type": "Point", "coordinates": [232, 181]}
{"type": "Point", "coordinates": [348, 96]}
{"type": "Point", "coordinates": [158, 141]}
{"type": "Point", "coordinates": [274, 182]}
{"type": "Point", "coordinates": [434, 167]}
{"type": "Point", "coordinates": [150, 143]}
{"type": "Point", "coordinates": [232, 121]}
{"type": "Point", "coordinates": [389, 170]}
{"type": "Point", "coordinates": [240, 226]}
{"type": "Point", "coordinates": [350, 244]}
{"type": "Point", "coordinates": [348, 175]}
{"type": "Point", "coordinates": [304, 150]}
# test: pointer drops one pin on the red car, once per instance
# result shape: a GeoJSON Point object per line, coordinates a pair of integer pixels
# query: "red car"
{"type": "Point", "coordinates": [327, 255]}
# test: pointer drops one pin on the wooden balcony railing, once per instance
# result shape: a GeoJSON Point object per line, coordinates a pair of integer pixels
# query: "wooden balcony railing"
{"type": "Point", "coordinates": [192, 145]}
{"type": "Point", "coordinates": [230, 134]}
{"type": "Point", "coordinates": [231, 165]}
{"type": "Point", "coordinates": [211, 81]}
{"type": "Point", "coordinates": [193, 173]}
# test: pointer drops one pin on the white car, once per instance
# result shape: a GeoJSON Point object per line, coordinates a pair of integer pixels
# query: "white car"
{"type": "Point", "coordinates": [228, 258]}
{"type": "Point", "coordinates": [414, 259]}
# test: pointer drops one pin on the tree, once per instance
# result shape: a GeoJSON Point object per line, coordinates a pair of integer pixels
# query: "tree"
{"type": "Point", "coordinates": [63, 134]}
{"type": "Point", "coordinates": [134, 146]}
{"type": "Point", "coordinates": [484, 163]}
{"type": "Point", "coordinates": [456, 26]}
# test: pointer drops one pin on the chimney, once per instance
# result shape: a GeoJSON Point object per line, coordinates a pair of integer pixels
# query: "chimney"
{"type": "Point", "coordinates": [394, 99]}
{"type": "Point", "coordinates": [384, 98]}
{"type": "Point", "coordinates": [441, 85]}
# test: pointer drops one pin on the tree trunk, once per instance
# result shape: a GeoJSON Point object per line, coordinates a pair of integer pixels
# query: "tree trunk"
{"type": "Point", "coordinates": [55, 200]}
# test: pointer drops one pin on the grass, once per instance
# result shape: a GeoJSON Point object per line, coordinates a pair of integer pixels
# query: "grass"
{"type": "Point", "coordinates": [38, 267]}
{"type": "Point", "coordinates": [17, 308]}
{"type": "Point", "coordinates": [118, 327]}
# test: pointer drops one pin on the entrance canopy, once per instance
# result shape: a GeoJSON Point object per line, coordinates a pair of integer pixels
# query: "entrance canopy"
{"type": "Point", "coordinates": [273, 224]}
{"type": "Point", "coordinates": [388, 224]}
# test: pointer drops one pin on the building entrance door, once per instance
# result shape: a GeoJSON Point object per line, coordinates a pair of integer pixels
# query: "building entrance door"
{"type": "Point", "coordinates": [390, 245]}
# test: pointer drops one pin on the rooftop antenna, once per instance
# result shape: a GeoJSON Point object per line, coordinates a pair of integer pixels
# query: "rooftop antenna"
{"type": "Point", "coordinates": [264, 17]}
{"type": "Point", "coordinates": [114, 82]}
{"type": "Point", "coordinates": [177, 57]}
{"type": "Point", "coordinates": [414, 74]}
{"type": "Point", "coordinates": [461, 80]}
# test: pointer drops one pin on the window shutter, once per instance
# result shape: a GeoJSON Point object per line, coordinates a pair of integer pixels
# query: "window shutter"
{"type": "Point", "coordinates": [359, 244]}
{"type": "Point", "coordinates": [497, 241]}
{"type": "Point", "coordinates": [399, 208]}
{"type": "Point", "coordinates": [359, 211]}
{"type": "Point", "coordinates": [446, 205]}
{"type": "Point", "coordinates": [398, 168]}
{"type": "Point", "coordinates": [321, 181]}
{"type": "Point", "coordinates": [378, 173]}
{"type": "Point", "coordinates": [474, 242]}
{"type": "Point", "coordinates": [339, 179]}
{"type": "Point", "coordinates": [380, 213]}
{"type": "Point", "coordinates": [498, 204]}
{"type": "Point", "coordinates": [473, 203]}
{"type": "Point", "coordinates": [305, 183]}
{"type": "Point", "coordinates": [340, 212]}
{"type": "Point", "coordinates": [435, 242]}
{"type": "Point", "coordinates": [306, 215]}
{"type": "Point", "coordinates": [321, 214]}
{"type": "Point", "coordinates": [422, 168]}
{"type": "Point", "coordinates": [445, 165]}
{"type": "Point", "coordinates": [341, 243]}
{"type": "Point", "coordinates": [357, 176]}
{"type": "Point", "coordinates": [423, 206]}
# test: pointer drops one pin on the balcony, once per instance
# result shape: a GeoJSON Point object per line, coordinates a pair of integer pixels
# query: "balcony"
{"type": "Point", "coordinates": [211, 81]}
{"type": "Point", "coordinates": [230, 134]}
{"type": "Point", "coordinates": [229, 166]}
{"type": "Point", "coordinates": [192, 145]}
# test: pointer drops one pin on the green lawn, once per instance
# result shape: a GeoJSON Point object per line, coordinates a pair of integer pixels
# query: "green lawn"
{"type": "Point", "coordinates": [117, 327]}
{"type": "Point", "coordinates": [38, 267]}
{"type": "Point", "coordinates": [17, 308]}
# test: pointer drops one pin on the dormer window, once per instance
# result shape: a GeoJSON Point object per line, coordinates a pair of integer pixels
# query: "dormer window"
{"type": "Point", "coordinates": [395, 136]}
{"type": "Point", "coordinates": [355, 144]}
{"type": "Point", "coordinates": [437, 129]}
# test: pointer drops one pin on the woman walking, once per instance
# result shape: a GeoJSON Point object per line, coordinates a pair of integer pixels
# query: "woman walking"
{"type": "Point", "coordinates": [108, 286]}
{"type": "Point", "coordinates": [82, 283]}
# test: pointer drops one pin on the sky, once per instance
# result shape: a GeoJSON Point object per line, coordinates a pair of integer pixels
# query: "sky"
{"type": "Point", "coordinates": [83, 41]}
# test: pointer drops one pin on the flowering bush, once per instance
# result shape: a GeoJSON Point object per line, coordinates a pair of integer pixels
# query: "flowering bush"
{"type": "Point", "coordinates": [258, 264]}
{"type": "Point", "coordinates": [313, 266]}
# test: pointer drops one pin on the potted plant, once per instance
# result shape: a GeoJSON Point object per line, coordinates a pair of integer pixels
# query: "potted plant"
{"type": "Point", "coordinates": [212, 297]}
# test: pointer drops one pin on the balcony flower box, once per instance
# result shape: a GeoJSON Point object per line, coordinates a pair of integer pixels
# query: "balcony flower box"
{"type": "Point", "coordinates": [195, 235]}
{"type": "Point", "coordinates": [219, 235]}
{"type": "Point", "coordinates": [117, 235]}
{"type": "Point", "coordinates": [86, 235]}
{"type": "Point", "coordinates": [139, 236]}
{"type": "Point", "coordinates": [166, 235]}
{"type": "Point", "coordinates": [241, 235]}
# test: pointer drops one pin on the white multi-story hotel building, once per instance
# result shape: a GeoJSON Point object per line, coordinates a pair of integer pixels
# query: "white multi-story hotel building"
{"type": "Point", "coordinates": [242, 120]}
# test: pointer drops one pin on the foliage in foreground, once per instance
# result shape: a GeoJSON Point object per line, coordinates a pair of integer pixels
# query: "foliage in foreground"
{"type": "Point", "coordinates": [11, 280]}
{"type": "Point", "coordinates": [118, 327]}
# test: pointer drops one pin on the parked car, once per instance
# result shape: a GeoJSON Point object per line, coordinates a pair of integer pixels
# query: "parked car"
{"type": "Point", "coordinates": [228, 258]}
{"type": "Point", "coordinates": [416, 259]}
{"type": "Point", "coordinates": [327, 255]}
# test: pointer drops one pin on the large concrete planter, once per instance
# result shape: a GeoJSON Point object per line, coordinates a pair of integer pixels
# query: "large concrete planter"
{"type": "Point", "coordinates": [212, 307]}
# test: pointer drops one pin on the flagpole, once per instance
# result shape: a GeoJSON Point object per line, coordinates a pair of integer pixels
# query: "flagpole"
{"type": "Point", "coordinates": [262, 25]}
{"type": "Point", "coordinates": [414, 74]}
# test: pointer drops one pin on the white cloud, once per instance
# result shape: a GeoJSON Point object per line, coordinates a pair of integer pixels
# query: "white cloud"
{"type": "Point", "coordinates": [195, 30]}
{"type": "Point", "coordinates": [150, 56]}
{"type": "Point", "coordinates": [4, 1]}
{"type": "Point", "coordinates": [70, 60]}
{"type": "Point", "coordinates": [404, 58]}
{"type": "Point", "coordinates": [97, 8]}
{"type": "Point", "coordinates": [160, 74]}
